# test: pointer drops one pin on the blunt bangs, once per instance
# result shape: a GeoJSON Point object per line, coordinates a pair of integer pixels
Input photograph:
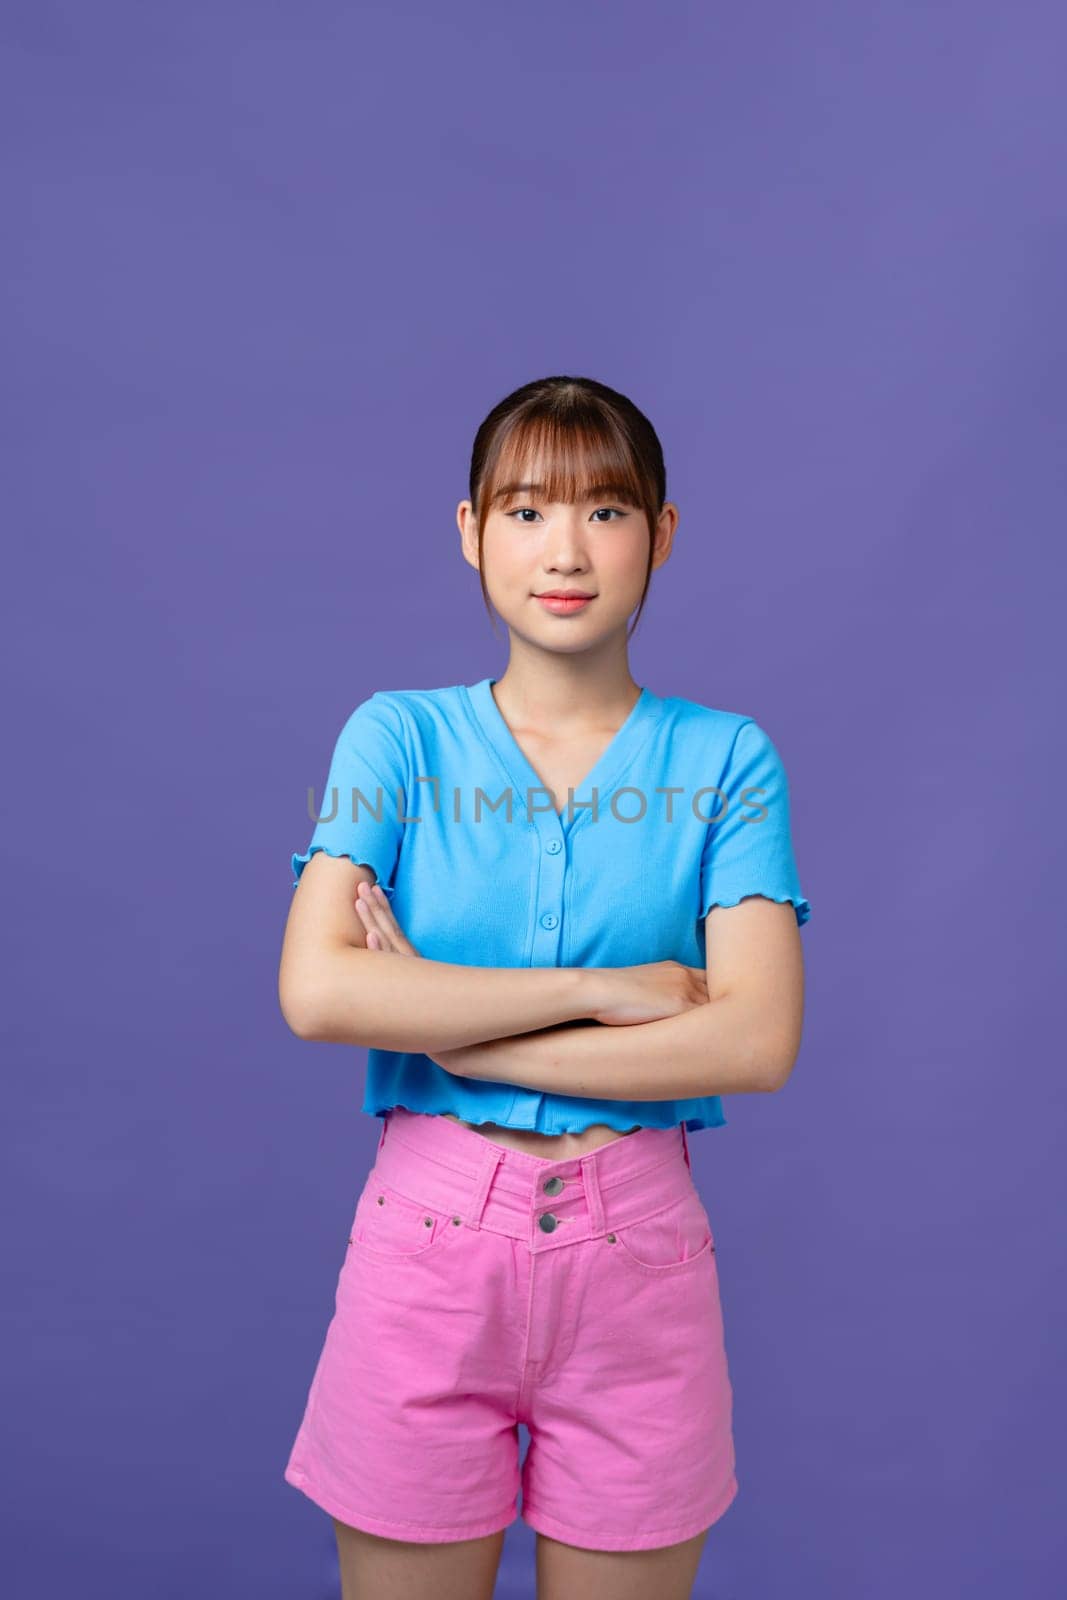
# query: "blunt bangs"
{"type": "Point", "coordinates": [569, 461]}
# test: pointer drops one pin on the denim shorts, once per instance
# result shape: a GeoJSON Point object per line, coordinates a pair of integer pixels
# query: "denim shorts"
{"type": "Point", "coordinates": [482, 1287]}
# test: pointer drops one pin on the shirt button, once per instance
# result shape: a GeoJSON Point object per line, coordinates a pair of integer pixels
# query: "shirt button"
{"type": "Point", "coordinates": [552, 1185]}
{"type": "Point", "coordinates": [549, 920]}
{"type": "Point", "coordinates": [553, 847]}
{"type": "Point", "coordinates": [547, 1222]}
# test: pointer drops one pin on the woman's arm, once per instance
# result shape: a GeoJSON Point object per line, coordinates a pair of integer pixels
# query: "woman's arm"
{"type": "Point", "coordinates": [386, 1002]}
{"type": "Point", "coordinates": [744, 1040]}
{"type": "Point", "coordinates": [710, 1049]}
{"type": "Point", "coordinates": [331, 987]}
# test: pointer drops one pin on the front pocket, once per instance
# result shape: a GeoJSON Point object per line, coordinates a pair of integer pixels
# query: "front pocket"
{"type": "Point", "coordinates": [673, 1240]}
{"type": "Point", "coordinates": [393, 1227]}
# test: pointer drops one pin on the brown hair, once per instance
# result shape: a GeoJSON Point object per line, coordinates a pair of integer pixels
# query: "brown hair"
{"type": "Point", "coordinates": [590, 439]}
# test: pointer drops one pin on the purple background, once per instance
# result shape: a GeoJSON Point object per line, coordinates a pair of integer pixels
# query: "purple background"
{"type": "Point", "coordinates": [267, 266]}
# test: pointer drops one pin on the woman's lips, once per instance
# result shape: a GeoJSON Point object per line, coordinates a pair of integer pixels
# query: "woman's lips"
{"type": "Point", "coordinates": [563, 608]}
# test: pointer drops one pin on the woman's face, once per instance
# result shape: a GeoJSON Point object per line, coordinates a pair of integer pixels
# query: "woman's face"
{"type": "Point", "coordinates": [598, 547]}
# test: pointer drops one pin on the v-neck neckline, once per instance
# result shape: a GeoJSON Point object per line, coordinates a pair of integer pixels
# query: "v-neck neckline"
{"type": "Point", "coordinates": [609, 766]}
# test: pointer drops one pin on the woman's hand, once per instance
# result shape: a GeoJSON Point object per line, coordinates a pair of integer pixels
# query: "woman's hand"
{"type": "Point", "coordinates": [383, 930]}
{"type": "Point", "coordinates": [648, 992]}
{"type": "Point", "coordinates": [385, 933]}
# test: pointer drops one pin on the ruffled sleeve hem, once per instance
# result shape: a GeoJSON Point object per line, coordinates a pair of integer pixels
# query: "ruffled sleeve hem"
{"type": "Point", "coordinates": [299, 862]}
{"type": "Point", "coordinates": [801, 906]}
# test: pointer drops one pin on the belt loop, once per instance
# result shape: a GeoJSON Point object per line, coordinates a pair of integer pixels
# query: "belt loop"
{"type": "Point", "coordinates": [474, 1209]}
{"type": "Point", "coordinates": [594, 1198]}
{"type": "Point", "coordinates": [685, 1147]}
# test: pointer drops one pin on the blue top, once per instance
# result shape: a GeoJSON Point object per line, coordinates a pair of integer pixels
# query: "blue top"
{"type": "Point", "coordinates": [481, 870]}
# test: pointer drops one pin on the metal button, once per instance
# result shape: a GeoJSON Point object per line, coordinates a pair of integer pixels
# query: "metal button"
{"type": "Point", "coordinates": [611, 1238]}
{"type": "Point", "coordinates": [552, 1185]}
{"type": "Point", "coordinates": [547, 1222]}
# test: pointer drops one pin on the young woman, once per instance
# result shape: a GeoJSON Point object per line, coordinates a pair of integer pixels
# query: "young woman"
{"type": "Point", "coordinates": [562, 913]}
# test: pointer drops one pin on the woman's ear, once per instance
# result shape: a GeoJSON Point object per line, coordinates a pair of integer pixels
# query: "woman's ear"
{"type": "Point", "coordinates": [666, 523]}
{"type": "Point", "coordinates": [468, 532]}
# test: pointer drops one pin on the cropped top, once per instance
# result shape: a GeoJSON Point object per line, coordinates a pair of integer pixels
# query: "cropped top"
{"type": "Point", "coordinates": [687, 807]}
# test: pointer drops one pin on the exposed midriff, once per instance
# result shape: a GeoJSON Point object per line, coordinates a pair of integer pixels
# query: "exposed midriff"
{"type": "Point", "coordinates": [550, 1146]}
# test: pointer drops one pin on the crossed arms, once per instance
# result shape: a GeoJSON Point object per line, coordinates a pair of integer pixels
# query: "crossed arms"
{"type": "Point", "coordinates": [664, 1031]}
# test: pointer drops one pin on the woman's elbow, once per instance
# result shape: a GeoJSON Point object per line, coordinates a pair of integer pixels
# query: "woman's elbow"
{"type": "Point", "coordinates": [327, 1000]}
{"type": "Point", "coordinates": [779, 1058]}
{"type": "Point", "coordinates": [304, 990]}
{"type": "Point", "coordinates": [300, 1006]}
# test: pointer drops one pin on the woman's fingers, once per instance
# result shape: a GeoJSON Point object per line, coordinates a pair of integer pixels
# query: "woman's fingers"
{"type": "Point", "coordinates": [376, 914]}
{"type": "Point", "coordinates": [385, 920]}
{"type": "Point", "coordinates": [365, 912]}
{"type": "Point", "coordinates": [368, 910]}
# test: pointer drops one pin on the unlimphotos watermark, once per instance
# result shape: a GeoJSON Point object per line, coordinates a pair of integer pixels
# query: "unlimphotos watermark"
{"type": "Point", "coordinates": [466, 807]}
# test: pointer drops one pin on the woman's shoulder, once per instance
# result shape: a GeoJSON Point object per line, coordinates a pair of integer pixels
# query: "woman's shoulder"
{"type": "Point", "coordinates": [696, 716]}
{"type": "Point", "coordinates": [425, 710]}
{"type": "Point", "coordinates": [718, 735]}
{"type": "Point", "coordinates": [412, 701]}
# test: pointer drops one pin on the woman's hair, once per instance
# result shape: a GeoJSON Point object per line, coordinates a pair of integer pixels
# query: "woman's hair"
{"type": "Point", "coordinates": [588, 439]}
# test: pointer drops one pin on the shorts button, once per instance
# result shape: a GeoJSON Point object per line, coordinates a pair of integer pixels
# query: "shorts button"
{"type": "Point", "coordinates": [552, 1185]}
{"type": "Point", "coordinates": [546, 1222]}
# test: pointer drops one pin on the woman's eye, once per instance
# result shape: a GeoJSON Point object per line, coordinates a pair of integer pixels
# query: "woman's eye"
{"type": "Point", "coordinates": [520, 513]}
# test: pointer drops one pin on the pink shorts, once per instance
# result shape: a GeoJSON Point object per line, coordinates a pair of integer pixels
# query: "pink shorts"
{"type": "Point", "coordinates": [482, 1287]}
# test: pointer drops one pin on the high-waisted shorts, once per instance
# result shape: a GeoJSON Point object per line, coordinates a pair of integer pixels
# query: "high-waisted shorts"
{"type": "Point", "coordinates": [482, 1287]}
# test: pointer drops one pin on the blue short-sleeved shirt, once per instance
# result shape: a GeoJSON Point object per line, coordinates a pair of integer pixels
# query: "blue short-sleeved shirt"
{"type": "Point", "coordinates": [434, 792]}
